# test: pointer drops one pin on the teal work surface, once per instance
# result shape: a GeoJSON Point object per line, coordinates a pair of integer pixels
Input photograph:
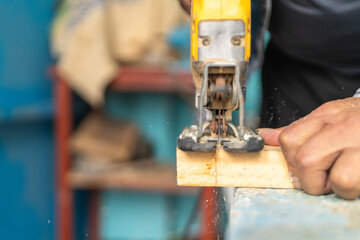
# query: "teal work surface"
{"type": "Point", "coordinates": [292, 214]}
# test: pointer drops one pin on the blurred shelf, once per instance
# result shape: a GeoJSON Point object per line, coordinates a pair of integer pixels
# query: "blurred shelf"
{"type": "Point", "coordinates": [148, 79]}
{"type": "Point", "coordinates": [153, 79]}
{"type": "Point", "coordinates": [158, 178]}
{"type": "Point", "coordinates": [136, 176]}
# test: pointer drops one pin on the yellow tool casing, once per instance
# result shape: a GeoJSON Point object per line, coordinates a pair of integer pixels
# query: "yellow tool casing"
{"type": "Point", "coordinates": [205, 10]}
{"type": "Point", "coordinates": [220, 52]}
{"type": "Point", "coordinates": [218, 10]}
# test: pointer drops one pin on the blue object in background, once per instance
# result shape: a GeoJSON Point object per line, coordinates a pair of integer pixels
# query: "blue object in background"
{"type": "Point", "coordinates": [179, 39]}
{"type": "Point", "coordinates": [253, 99]}
{"type": "Point", "coordinates": [26, 140]}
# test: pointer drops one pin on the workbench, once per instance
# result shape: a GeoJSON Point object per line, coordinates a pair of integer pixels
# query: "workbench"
{"type": "Point", "coordinates": [292, 214]}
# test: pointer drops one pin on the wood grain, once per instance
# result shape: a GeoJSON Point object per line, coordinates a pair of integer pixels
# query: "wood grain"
{"type": "Point", "coordinates": [264, 169]}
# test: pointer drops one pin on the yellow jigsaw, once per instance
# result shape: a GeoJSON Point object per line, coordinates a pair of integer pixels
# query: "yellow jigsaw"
{"type": "Point", "coordinates": [220, 52]}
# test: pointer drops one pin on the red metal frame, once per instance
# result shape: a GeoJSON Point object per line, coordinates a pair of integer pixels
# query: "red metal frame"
{"type": "Point", "coordinates": [63, 128]}
{"type": "Point", "coordinates": [209, 214]}
{"type": "Point", "coordinates": [144, 79]}
{"type": "Point", "coordinates": [150, 79]}
{"type": "Point", "coordinates": [94, 217]}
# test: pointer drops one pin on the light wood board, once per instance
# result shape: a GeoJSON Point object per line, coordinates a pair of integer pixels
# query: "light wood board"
{"type": "Point", "coordinates": [264, 169]}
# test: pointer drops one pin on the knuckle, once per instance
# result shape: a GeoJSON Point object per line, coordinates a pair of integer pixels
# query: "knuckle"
{"type": "Point", "coordinates": [317, 186]}
{"type": "Point", "coordinates": [286, 139]}
{"type": "Point", "coordinates": [303, 160]}
{"type": "Point", "coordinates": [325, 106]}
{"type": "Point", "coordinates": [343, 181]}
{"type": "Point", "coordinates": [352, 120]}
{"type": "Point", "coordinates": [328, 108]}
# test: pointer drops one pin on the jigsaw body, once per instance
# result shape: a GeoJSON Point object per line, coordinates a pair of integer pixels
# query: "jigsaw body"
{"type": "Point", "coordinates": [220, 52]}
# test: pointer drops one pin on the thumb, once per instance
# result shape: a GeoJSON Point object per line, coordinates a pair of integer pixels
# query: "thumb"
{"type": "Point", "coordinates": [270, 135]}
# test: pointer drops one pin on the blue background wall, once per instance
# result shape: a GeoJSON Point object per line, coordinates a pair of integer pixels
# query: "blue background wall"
{"type": "Point", "coordinates": [26, 149]}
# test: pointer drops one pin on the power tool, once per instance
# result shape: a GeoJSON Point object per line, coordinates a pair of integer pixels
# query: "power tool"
{"type": "Point", "coordinates": [220, 52]}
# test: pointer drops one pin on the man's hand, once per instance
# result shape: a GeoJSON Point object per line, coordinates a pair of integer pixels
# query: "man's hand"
{"type": "Point", "coordinates": [323, 148]}
{"type": "Point", "coordinates": [186, 5]}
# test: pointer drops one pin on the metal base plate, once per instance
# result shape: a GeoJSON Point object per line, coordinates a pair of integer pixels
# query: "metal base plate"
{"type": "Point", "coordinates": [253, 144]}
{"type": "Point", "coordinates": [189, 145]}
{"type": "Point", "coordinates": [188, 142]}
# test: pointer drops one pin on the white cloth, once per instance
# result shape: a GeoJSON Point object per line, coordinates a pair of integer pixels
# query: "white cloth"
{"type": "Point", "coordinates": [79, 41]}
{"type": "Point", "coordinates": [357, 94]}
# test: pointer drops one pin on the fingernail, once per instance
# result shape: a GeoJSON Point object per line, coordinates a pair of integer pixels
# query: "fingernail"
{"type": "Point", "coordinates": [262, 130]}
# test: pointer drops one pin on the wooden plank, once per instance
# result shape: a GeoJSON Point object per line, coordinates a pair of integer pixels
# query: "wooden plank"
{"type": "Point", "coordinates": [292, 214]}
{"type": "Point", "coordinates": [264, 169]}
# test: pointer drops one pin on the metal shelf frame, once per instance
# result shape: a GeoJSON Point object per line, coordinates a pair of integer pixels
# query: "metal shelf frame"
{"type": "Point", "coordinates": [129, 79]}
